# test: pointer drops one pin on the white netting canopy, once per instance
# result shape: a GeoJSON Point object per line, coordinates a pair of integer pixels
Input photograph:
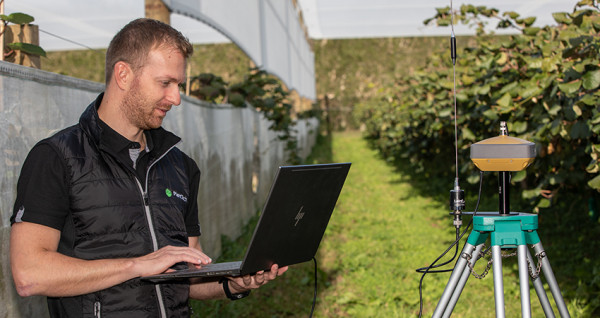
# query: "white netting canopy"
{"type": "Point", "coordinates": [268, 31]}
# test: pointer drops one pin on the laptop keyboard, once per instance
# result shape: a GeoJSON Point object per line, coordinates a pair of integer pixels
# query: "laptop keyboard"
{"type": "Point", "coordinates": [227, 266]}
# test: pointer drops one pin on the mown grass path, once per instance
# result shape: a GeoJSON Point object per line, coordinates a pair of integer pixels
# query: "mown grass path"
{"type": "Point", "coordinates": [381, 231]}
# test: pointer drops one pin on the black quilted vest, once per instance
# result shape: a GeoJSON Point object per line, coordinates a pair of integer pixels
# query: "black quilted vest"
{"type": "Point", "coordinates": [114, 215]}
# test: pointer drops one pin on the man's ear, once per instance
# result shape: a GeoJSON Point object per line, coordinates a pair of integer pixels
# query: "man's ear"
{"type": "Point", "coordinates": [123, 75]}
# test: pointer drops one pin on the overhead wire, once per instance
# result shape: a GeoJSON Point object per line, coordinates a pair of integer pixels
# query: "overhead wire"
{"type": "Point", "coordinates": [71, 41]}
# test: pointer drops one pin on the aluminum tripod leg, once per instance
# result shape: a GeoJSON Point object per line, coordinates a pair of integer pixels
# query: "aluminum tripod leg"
{"type": "Point", "coordinates": [539, 290]}
{"type": "Point", "coordinates": [498, 283]}
{"type": "Point", "coordinates": [524, 281]}
{"type": "Point", "coordinates": [462, 282]}
{"type": "Point", "coordinates": [551, 280]}
{"type": "Point", "coordinates": [454, 277]}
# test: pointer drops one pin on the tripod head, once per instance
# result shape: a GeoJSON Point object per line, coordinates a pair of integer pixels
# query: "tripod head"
{"type": "Point", "coordinates": [503, 154]}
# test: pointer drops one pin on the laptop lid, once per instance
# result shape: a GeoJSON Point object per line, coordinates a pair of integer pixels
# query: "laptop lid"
{"type": "Point", "coordinates": [291, 225]}
{"type": "Point", "coordinates": [295, 215]}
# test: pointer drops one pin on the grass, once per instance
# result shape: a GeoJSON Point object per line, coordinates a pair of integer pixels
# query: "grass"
{"type": "Point", "coordinates": [381, 231]}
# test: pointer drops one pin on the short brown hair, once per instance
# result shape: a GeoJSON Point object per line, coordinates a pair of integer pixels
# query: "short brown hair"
{"type": "Point", "coordinates": [135, 40]}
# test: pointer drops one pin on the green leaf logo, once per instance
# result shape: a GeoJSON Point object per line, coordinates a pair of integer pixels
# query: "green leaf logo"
{"type": "Point", "coordinates": [168, 192]}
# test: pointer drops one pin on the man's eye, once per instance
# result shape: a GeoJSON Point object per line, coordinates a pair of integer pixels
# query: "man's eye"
{"type": "Point", "coordinates": [166, 83]}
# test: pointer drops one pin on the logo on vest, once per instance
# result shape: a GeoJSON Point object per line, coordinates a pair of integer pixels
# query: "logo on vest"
{"type": "Point", "coordinates": [171, 193]}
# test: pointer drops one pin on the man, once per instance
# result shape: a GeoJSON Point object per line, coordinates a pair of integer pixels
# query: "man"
{"type": "Point", "coordinates": [92, 213]}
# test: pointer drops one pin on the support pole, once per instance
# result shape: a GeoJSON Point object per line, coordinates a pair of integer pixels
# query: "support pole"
{"type": "Point", "coordinates": [504, 192]}
{"type": "Point", "coordinates": [157, 10]}
{"type": "Point", "coordinates": [2, 32]}
{"type": "Point", "coordinates": [26, 33]}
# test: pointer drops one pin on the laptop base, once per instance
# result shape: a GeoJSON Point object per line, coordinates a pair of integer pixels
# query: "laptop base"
{"type": "Point", "coordinates": [209, 270]}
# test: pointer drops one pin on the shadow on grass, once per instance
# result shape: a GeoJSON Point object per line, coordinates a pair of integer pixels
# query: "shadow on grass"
{"type": "Point", "coordinates": [290, 295]}
{"type": "Point", "coordinates": [568, 234]}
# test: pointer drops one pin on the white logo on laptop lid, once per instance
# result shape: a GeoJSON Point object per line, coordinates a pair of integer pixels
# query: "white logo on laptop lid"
{"type": "Point", "coordinates": [299, 216]}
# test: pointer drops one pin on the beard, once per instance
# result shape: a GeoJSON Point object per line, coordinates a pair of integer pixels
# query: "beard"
{"type": "Point", "coordinates": [139, 110]}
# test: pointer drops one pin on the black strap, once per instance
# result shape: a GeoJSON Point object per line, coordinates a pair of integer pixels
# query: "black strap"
{"type": "Point", "coordinates": [228, 293]}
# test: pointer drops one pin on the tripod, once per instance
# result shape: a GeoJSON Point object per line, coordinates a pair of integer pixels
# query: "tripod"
{"type": "Point", "coordinates": [506, 230]}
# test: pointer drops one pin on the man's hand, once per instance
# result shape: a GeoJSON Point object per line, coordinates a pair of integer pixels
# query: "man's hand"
{"type": "Point", "coordinates": [244, 283]}
{"type": "Point", "coordinates": [160, 261]}
{"type": "Point", "coordinates": [214, 290]}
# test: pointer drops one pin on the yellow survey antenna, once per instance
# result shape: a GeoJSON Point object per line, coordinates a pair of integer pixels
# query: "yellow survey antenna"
{"type": "Point", "coordinates": [503, 153]}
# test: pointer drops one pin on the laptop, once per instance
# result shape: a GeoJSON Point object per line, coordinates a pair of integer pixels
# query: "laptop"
{"type": "Point", "coordinates": [291, 226]}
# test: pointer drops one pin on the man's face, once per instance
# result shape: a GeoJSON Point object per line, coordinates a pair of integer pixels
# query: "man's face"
{"type": "Point", "coordinates": [155, 88]}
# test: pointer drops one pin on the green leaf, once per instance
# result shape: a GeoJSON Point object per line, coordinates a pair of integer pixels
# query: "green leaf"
{"type": "Point", "coordinates": [443, 21]}
{"type": "Point", "coordinates": [589, 99]}
{"type": "Point", "coordinates": [519, 176]}
{"type": "Point", "coordinates": [443, 11]}
{"type": "Point", "coordinates": [468, 134]}
{"type": "Point", "coordinates": [505, 100]}
{"type": "Point", "coordinates": [529, 21]}
{"type": "Point", "coordinates": [502, 58]}
{"type": "Point", "coordinates": [570, 88]}
{"type": "Point", "coordinates": [550, 64]}
{"type": "Point", "coordinates": [562, 17]}
{"type": "Point", "coordinates": [531, 30]}
{"type": "Point", "coordinates": [513, 15]}
{"type": "Point", "coordinates": [509, 87]}
{"type": "Point", "coordinates": [28, 48]}
{"type": "Point", "coordinates": [569, 113]}
{"type": "Point", "coordinates": [483, 90]}
{"type": "Point", "coordinates": [519, 127]}
{"type": "Point", "coordinates": [473, 178]}
{"type": "Point", "coordinates": [490, 114]}
{"type": "Point", "coordinates": [530, 194]}
{"type": "Point", "coordinates": [592, 167]}
{"type": "Point", "coordinates": [18, 18]}
{"type": "Point", "coordinates": [579, 68]}
{"type": "Point", "coordinates": [467, 80]}
{"type": "Point", "coordinates": [544, 203]}
{"type": "Point", "coordinates": [580, 130]}
{"type": "Point", "coordinates": [530, 91]}
{"type": "Point", "coordinates": [462, 97]}
{"type": "Point", "coordinates": [591, 79]}
{"type": "Point", "coordinates": [447, 84]}
{"type": "Point", "coordinates": [536, 63]}
{"type": "Point", "coordinates": [595, 182]}
{"type": "Point", "coordinates": [554, 110]}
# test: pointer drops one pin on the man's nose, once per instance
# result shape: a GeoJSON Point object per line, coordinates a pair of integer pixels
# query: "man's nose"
{"type": "Point", "coordinates": [174, 95]}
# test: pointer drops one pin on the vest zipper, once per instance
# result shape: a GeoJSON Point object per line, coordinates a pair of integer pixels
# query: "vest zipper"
{"type": "Point", "coordinates": [144, 191]}
{"type": "Point", "coordinates": [97, 309]}
{"type": "Point", "coordinates": [161, 303]}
